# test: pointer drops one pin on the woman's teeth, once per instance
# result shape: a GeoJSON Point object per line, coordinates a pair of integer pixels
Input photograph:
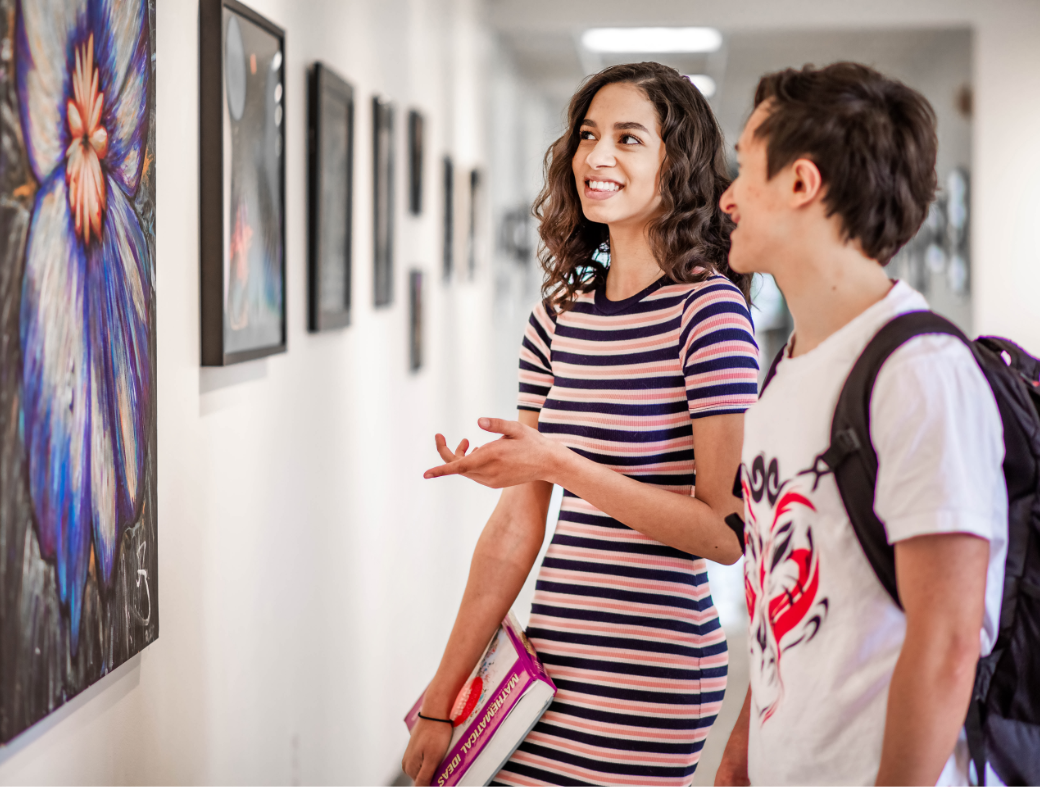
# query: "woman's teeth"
{"type": "Point", "coordinates": [603, 185]}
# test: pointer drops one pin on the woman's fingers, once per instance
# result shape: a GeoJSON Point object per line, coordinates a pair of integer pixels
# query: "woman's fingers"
{"type": "Point", "coordinates": [451, 468]}
{"type": "Point", "coordinates": [463, 448]}
{"type": "Point", "coordinates": [426, 771]}
{"type": "Point", "coordinates": [501, 426]}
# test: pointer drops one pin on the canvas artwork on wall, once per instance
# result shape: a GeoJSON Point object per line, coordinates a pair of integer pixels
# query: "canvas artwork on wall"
{"type": "Point", "coordinates": [415, 162]}
{"type": "Point", "coordinates": [79, 591]}
{"type": "Point", "coordinates": [242, 183]}
{"type": "Point", "coordinates": [415, 320]}
{"type": "Point", "coordinates": [331, 165]}
{"type": "Point", "coordinates": [383, 199]}
{"type": "Point", "coordinates": [448, 258]}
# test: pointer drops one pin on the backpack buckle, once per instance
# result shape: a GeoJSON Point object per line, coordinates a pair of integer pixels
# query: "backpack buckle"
{"type": "Point", "coordinates": [845, 442]}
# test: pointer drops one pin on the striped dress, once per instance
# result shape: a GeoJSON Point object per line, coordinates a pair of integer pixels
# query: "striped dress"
{"type": "Point", "coordinates": [624, 624]}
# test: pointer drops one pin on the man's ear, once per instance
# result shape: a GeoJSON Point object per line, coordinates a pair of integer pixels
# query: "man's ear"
{"type": "Point", "coordinates": [807, 183]}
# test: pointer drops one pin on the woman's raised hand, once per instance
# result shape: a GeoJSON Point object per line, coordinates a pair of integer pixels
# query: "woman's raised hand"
{"type": "Point", "coordinates": [521, 455]}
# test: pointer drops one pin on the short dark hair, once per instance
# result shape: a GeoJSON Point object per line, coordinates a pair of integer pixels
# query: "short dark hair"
{"type": "Point", "coordinates": [872, 138]}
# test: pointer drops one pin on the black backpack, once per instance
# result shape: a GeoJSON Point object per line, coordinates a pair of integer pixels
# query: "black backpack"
{"type": "Point", "coordinates": [1003, 723]}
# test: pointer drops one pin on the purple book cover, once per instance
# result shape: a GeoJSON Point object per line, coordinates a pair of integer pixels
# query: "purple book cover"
{"type": "Point", "coordinates": [508, 668]}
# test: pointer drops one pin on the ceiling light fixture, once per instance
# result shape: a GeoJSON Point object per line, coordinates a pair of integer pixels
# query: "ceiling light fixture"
{"type": "Point", "coordinates": [651, 39]}
{"type": "Point", "coordinates": [703, 83]}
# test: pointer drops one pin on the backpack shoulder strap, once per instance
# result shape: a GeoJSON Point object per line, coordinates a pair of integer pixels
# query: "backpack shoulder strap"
{"type": "Point", "coordinates": [851, 454]}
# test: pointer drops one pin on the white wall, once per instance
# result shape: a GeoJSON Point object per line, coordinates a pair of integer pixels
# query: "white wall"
{"type": "Point", "coordinates": [308, 574]}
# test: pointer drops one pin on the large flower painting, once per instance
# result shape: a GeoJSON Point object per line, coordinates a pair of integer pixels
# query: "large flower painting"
{"type": "Point", "coordinates": [78, 588]}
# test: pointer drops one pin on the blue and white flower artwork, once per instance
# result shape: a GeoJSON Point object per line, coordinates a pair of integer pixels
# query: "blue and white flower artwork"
{"type": "Point", "coordinates": [77, 295]}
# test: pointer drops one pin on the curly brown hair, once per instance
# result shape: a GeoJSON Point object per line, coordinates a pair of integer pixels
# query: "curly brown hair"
{"type": "Point", "coordinates": [690, 236]}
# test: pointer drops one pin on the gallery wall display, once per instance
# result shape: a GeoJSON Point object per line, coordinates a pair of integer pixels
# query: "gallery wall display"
{"type": "Point", "coordinates": [383, 199]}
{"type": "Point", "coordinates": [415, 320]}
{"type": "Point", "coordinates": [448, 182]}
{"type": "Point", "coordinates": [415, 162]}
{"type": "Point", "coordinates": [79, 591]}
{"type": "Point", "coordinates": [331, 173]}
{"type": "Point", "coordinates": [242, 183]}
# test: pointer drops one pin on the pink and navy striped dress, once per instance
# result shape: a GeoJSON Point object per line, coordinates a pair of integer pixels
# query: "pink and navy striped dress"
{"type": "Point", "coordinates": [624, 624]}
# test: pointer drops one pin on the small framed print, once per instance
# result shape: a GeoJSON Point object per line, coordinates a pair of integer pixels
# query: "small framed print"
{"type": "Point", "coordinates": [242, 183]}
{"type": "Point", "coordinates": [415, 162]}
{"type": "Point", "coordinates": [448, 170]}
{"type": "Point", "coordinates": [383, 199]}
{"type": "Point", "coordinates": [331, 175]}
{"type": "Point", "coordinates": [415, 320]}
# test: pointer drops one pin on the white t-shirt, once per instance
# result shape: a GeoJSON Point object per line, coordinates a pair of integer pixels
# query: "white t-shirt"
{"type": "Point", "coordinates": [824, 634]}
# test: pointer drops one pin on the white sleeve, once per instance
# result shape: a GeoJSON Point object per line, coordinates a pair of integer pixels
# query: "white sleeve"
{"type": "Point", "coordinates": [940, 443]}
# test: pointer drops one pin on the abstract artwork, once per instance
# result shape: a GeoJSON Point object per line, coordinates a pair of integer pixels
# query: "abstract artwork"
{"type": "Point", "coordinates": [242, 183]}
{"type": "Point", "coordinates": [415, 320]}
{"type": "Point", "coordinates": [78, 560]}
{"type": "Point", "coordinates": [330, 158]}
{"type": "Point", "coordinates": [415, 162]}
{"type": "Point", "coordinates": [383, 196]}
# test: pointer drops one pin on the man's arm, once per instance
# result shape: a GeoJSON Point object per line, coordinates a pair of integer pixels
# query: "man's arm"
{"type": "Point", "coordinates": [733, 770]}
{"type": "Point", "coordinates": [942, 584]}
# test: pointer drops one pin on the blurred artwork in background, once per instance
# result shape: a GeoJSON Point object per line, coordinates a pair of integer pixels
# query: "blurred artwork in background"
{"type": "Point", "coordinates": [254, 287]}
{"type": "Point", "coordinates": [415, 320]}
{"type": "Point", "coordinates": [78, 561]}
{"type": "Point", "coordinates": [383, 200]}
{"type": "Point", "coordinates": [940, 247]}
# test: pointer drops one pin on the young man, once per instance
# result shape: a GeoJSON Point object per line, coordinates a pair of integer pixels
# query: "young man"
{"type": "Point", "coordinates": [837, 169]}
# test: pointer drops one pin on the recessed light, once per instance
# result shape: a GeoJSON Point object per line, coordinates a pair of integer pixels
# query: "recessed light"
{"type": "Point", "coordinates": [651, 39]}
{"type": "Point", "coordinates": [703, 83]}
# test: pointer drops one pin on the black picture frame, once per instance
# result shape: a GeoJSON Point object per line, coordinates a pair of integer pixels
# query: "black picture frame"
{"type": "Point", "coordinates": [473, 220]}
{"type": "Point", "coordinates": [237, 284]}
{"type": "Point", "coordinates": [415, 320]}
{"type": "Point", "coordinates": [448, 259]}
{"type": "Point", "coordinates": [383, 200]}
{"type": "Point", "coordinates": [416, 124]}
{"type": "Point", "coordinates": [330, 159]}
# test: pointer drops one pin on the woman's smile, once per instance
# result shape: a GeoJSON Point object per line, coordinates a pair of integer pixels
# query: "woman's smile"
{"type": "Point", "coordinates": [601, 189]}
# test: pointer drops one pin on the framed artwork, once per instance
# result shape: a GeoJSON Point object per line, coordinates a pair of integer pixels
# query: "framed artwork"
{"type": "Point", "coordinates": [449, 217]}
{"type": "Point", "coordinates": [415, 162]}
{"type": "Point", "coordinates": [331, 174]}
{"type": "Point", "coordinates": [415, 320]}
{"type": "Point", "coordinates": [79, 593]}
{"type": "Point", "coordinates": [242, 183]}
{"type": "Point", "coordinates": [471, 239]}
{"type": "Point", "coordinates": [383, 199]}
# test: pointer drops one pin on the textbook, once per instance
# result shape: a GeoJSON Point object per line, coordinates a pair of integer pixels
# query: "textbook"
{"type": "Point", "coordinates": [502, 700]}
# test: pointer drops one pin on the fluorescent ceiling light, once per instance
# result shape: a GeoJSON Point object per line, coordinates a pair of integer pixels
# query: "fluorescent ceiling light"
{"type": "Point", "coordinates": [703, 83]}
{"type": "Point", "coordinates": [651, 39]}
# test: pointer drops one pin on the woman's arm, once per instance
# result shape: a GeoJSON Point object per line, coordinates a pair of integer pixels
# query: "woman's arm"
{"type": "Point", "coordinates": [505, 553]}
{"type": "Point", "coordinates": [693, 524]}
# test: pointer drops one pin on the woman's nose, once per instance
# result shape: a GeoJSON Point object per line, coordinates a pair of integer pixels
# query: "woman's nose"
{"type": "Point", "coordinates": [602, 155]}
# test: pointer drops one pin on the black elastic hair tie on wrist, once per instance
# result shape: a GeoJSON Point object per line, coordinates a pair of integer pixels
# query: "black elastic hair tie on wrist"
{"type": "Point", "coordinates": [431, 718]}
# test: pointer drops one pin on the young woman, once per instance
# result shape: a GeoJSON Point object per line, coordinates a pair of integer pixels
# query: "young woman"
{"type": "Point", "coordinates": [641, 356]}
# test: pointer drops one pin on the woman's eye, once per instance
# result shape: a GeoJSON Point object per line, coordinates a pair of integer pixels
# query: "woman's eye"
{"type": "Point", "coordinates": [628, 139]}
{"type": "Point", "coordinates": [585, 135]}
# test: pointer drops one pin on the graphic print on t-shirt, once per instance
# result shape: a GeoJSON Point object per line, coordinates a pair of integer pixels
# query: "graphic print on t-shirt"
{"type": "Point", "coordinates": [781, 572]}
